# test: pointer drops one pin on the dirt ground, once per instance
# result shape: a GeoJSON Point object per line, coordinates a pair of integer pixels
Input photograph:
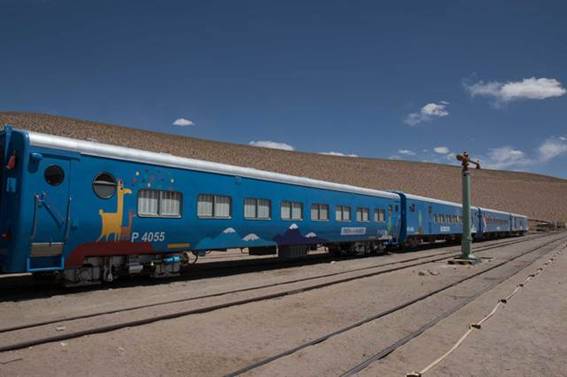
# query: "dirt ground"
{"type": "Point", "coordinates": [526, 337]}
{"type": "Point", "coordinates": [537, 196]}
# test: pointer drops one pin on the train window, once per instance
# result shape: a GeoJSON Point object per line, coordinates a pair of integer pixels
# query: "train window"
{"type": "Point", "coordinates": [250, 208]}
{"type": "Point", "coordinates": [205, 204]}
{"type": "Point", "coordinates": [54, 175]}
{"type": "Point", "coordinates": [148, 203]}
{"type": "Point", "coordinates": [222, 206]}
{"type": "Point", "coordinates": [320, 212]}
{"type": "Point", "coordinates": [362, 214]}
{"type": "Point", "coordinates": [264, 209]}
{"type": "Point", "coordinates": [380, 215]}
{"type": "Point", "coordinates": [170, 204]}
{"type": "Point", "coordinates": [104, 186]}
{"type": "Point", "coordinates": [214, 206]}
{"type": "Point", "coordinates": [156, 203]}
{"type": "Point", "coordinates": [412, 207]}
{"type": "Point", "coordinates": [296, 211]}
{"type": "Point", "coordinates": [292, 210]}
{"type": "Point", "coordinates": [342, 213]}
{"type": "Point", "coordinates": [257, 208]}
{"type": "Point", "coordinates": [286, 210]}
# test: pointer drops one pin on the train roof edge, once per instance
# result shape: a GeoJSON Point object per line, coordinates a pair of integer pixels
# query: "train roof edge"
{"type": "Point", "coordinates": [165, 159]}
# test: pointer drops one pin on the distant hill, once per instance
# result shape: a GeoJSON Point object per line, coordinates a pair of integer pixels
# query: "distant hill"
{"type": "Point", "coordinates": [538, 196]}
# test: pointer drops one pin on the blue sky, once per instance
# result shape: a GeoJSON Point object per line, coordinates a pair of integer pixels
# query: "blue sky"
{"type": "Point", "coordinates": [407, 79]}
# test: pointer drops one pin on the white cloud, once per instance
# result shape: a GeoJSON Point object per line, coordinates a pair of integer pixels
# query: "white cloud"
{"type": "Point", "coordinates": [407, 152]}
{"type": "Point", "coordinates": [530, 88]}
{"type": "Point", "coordinates": [338, 154]}
{"type": "Point", "coordinates": [271, 144]}
{"type": "Point", "coordinates": [427, 113]}
{"type": "Point", "coordinates": [434, 109]}
{"type": "Point", "coordinates": [506, 157]}
{"type": "Point", "coordinates": [552, 148]}
{"type": "Point", "coordinates": [183, 122]}
{"type": "Point", "coordinates": [441, 150]}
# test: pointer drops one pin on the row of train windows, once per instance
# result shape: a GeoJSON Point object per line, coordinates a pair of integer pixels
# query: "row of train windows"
{"type": "Point", "coordinates": [160, 203]}
{"type": "Point", "coordinates": [448, 219]}
{"type": "Point", "coordinates": [218, 206]}
{"type": "Point", "coordinates": [493, 220]}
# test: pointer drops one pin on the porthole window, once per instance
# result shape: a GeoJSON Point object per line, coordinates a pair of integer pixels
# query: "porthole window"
{"type": "Point", "coordinates": [54, 175]}
{"type": "Point", "coordinates": [104, 186]}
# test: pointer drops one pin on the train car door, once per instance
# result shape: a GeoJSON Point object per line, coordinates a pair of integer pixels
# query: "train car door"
{"type": "Point", "coordinates": [4, 153]}
{"type": "Point", "coordinates": [3, 215]}
{"type": "Point", "coordinates": [51, 221]}
{"type": "Point", "coordinates": [430, 220]}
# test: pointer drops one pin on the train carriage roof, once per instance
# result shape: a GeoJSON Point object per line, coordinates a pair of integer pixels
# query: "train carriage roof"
{"type": "Point", "coordinates": [166, 159]}
{"type": "Point", "coordinates": [495, 211]}
{"type": "Point", "coordinates": [431, 200]}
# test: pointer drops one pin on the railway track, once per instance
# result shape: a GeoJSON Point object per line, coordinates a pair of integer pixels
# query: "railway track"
{"type": "Point", "coordinates": [24, 286]}
{"type": "Point", "coordinates": [41, 332]}
{"type": "Point", "coordinates": [382, 314]}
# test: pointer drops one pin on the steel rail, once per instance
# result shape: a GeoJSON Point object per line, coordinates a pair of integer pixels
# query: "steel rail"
{"type": "Point", "coordinates": [382, 314]}
{"type": "Point", "coordinates": [394, 346]}
{"type": "Point", "coordinates": [446, 255]}
{"type": "Point", "coordinates": [206, 309]}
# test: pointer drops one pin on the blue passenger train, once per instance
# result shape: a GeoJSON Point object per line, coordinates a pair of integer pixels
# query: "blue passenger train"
{"type": "Point", "coordinates": [93, 212]}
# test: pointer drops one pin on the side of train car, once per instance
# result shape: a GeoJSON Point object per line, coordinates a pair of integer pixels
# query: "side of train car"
{"type": "Point", "coordinates": [427, 220]}
{"type": "Point", "coordinates": [96, 211]}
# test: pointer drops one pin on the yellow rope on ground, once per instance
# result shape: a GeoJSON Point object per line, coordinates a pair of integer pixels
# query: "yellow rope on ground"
{"type": "Point", "coordinates": [424, 370]}
{"type": "Point", "coordinates": [477, 326]}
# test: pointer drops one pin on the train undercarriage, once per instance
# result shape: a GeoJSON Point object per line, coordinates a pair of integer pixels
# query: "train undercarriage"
{"type": "Point", "coordinates": [96, 270]}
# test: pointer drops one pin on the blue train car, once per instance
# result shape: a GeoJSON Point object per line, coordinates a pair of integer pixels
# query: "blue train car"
{"type": "Point", "coordinates": [428, 220]}
{"type": "Point", "coordinates": [96, 211]}
{"type": "Point", "coordinates": [519, 224]}
{"type": "Point", "coordinates": [495, 223]}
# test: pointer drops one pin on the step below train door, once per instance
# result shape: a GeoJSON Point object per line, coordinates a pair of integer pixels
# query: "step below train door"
{"type": "Point", "coordinates": [50, 182]}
